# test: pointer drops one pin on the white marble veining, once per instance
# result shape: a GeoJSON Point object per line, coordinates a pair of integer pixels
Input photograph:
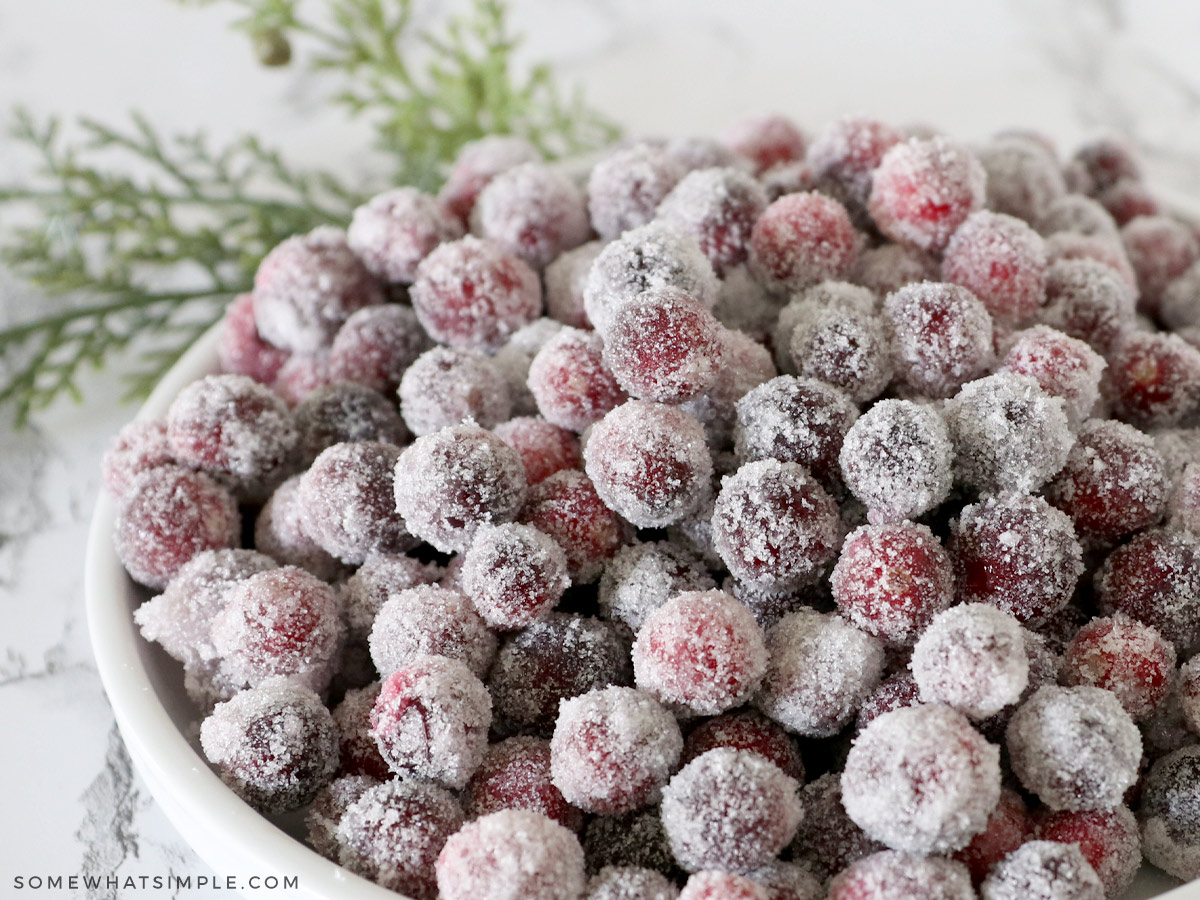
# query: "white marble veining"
{"type": "Point", "coordinates": [1068, 67]}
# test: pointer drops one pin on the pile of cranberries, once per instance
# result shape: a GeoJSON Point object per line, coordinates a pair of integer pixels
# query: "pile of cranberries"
{"type": "Point", "coordinates": [776, 517]}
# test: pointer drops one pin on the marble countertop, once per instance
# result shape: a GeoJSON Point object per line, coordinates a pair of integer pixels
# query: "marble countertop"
{"type": "Point", "coordinates": [72, 803]}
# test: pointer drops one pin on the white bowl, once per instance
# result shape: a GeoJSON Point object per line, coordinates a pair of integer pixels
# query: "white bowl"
{"type": "Point", "coordinates": [156, 719]}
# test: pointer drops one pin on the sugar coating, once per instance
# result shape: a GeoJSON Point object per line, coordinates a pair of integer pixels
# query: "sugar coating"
{"type": "Point", "coordinates": [446, 385]}
{"type": "Point", "coordinates": [1155, 380]}
{"type": "Point", "coordinates": [307, 286]}
{"type": "Point", "coordinates": [478, 162]}
{"type": "Point", "coordinates": [571, 381]}
{"type": "Point", "coordinates": [472, 293]}
{"type": "Point", "coordinates": [376, 345]}
{"type": "Point", "coordinates": [567, 507]}
{"type": "Point", "coordinates": [544, 448]}
{"type": "Point", "coordinates": [652, 256]}
{"type": "Point", "coordinates": [773, 524]}
{"type": "Point", "coordinates": [920, 779]}
{"type": "Point", "coordinates": [892, 579]}
{"type": "Point", "coordinates": [834, 295]}
{"type": "Point", "coordinates": [393, 231]}
{"type": "Point", "coordinates": [629, 883]}
{"type": "Point", "coordinates": [321, 819]}
{"type": "Point", "coordinates": [240, 349]}
{"type": "Point", "coordinates": [1008, 434]}
{"type": "Point", "coordinates": [896, 691]}
{"type": "Point", "coordinates": [892, 875]}
{"type": "Point", "coordinates": [827, 840]}
{"type": "Point", "coordinates": [431, 721]}
{"type": "Point", "coordinates": [1160, 249]}
{"type": "Point", "coordinates": [942, 336]}
{"type": "Point", "coordinates": [1067, 245]}
{"type": "Point", "coordinates": [972, 658]}
{"type": "Point", "coordinates": [514, 574]}
{"type": "Point", "coordinates": [380, 576]}
{"type": "Point", "coordinates": [1124, 656]}
{"type": "Point", "coordinates": [897, 459]}
{"type": "Point", "coordinates": [279, 532]}
{"type": "Point", "coordinates": [138, 447]}
{"type": "Point", "coordinates": [730, 810]}
{"type": "Point", "coordinates": [515, 774]}
{"type": "Point", "coordinates": [1016, 553]}
{"type": "Point", "coordinates": [1023, 180]}
{"type": "Point", "coordinates": [800, 240]}
{"type": "Point", "coordinates": [235, 429]}
{"type": "Point", "coordinates": [844, 348]}
{"type": "Point", "coordinates": [282, 621]}
{"type": "Point", "coordinates": [532, 211]}
{"type": "Point", "coordinates": [430, 620]}
{"type": "Point", "coordinates": [722, 886]}
{"type": "Point", "coordinates": [819, 670]}
{"type": "Point", "coordinates": [180, 618]}
{"type": "Point", "coordinates": [1002, 261]}
{"type": "Point", "coordinates": [701, 651]}
{"type": "Point", "coordinates": [1076, 748]}
{"type": "Point", "coordinates": [1183, 508]}
{"type": "Point", "coordinates": [795, 419]}
{"type": "Point", "coordinates": [613, 749]}
{"type": "Point", "coordinates": [889, 267]}
{"type": "Point", "coordinates": [1155, 578]}
{"type": "Point", "coordinates": [1109, 841]}
{"type": "Point", "coordinates": [1077, 213]}
{"type": "Point", "coordinates": [649, 462]}
{"type": "Point", "coordinates": [1113, 483]}
{"type": "Point", "coordinates": [924, 189]}
{"type": "Point", "coordinates": [1063, 366]}
{"type": "Point", "coordinates": [393, 832]}
{"type": "Point", "coordinates": [637, 839]}
{"type": "Point", "coordinates": [1180, 305]}
{"type": "Point", "coordinates": [166, 517]}
{"type": "Point", "coordinates": [347, 501]}
{"type": "Point", "coordinates": [766, 140]}
{"type": "Point", "coordinates": [275, 745]}
{"type": "Point", "coordinates": [641, 577]}
{"type": "Point", "coordinates": [1043, 870]}
{"type": "Point", "coordinates": [359, 752]}
{"type": "Point", "coordinates": [719, 206]}
{"type": "Point", "coordinates": [556, 658]}
{"type": "Point", "coordinates": [564, 279]}
{"type": "Point", "coordinates": [450, 482]}
{"type": "Point", "coordinates": [345, 412]}
{"type": "Point", "coordinates": [664, 346]}
{"type": "Point", "coordinates": [625, 188]}
{"type": "Point", "coordinates": [1179, 448]}
{"type": "Point", "coordinates": [747, 364]}
{"type": "Point", "coordinates": [1170, 826]}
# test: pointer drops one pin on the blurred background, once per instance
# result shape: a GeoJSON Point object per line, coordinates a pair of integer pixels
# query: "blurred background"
{"type": "Point", "coordinates": [1070, 68]}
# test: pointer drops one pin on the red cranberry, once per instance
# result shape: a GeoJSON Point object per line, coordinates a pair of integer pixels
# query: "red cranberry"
{"type": "Point", "coordinates": [346, 412]}
{"type": "Point", "coordinates": [845, 348]}
{"type": "Point", "coordinates": [802, 239]}
{"type": "Point", "coordinates": [641, 577]}
{"type": "Point", "coordinates": [332, 801]}
{"type": "Point", "coordinates": [544, 448]}
{"type": "Point", "coordinates": [888, 267]}
{"type": "Point", "coordinates": [1155, 380]}
{"type": "Point", "coordinates": [566, 507]}
{"type": "Point", "coordinates": [1078, 213]}
{"type": "Point", "coordinates": [750, 731]}
{"type": "Point", "coordinates": [377, 345]}
{"type": "Point", "coordinates": [1062, 366]}
{"type": "Point", "coordinates": [241, 350]}
{"type": "Point", "coordinates": [301, 376]}
{"type": "Point", "coordinates": [1088, 300]}
{"type": "Point", "coordinates": [1066, 245]}
{"type": "Point", "coordinates": [1106, 160]}
{"type": "Point", "coordinates": [844, 158]}
{"type": "Point", "coordinates": [942, 336]}
{"type": "Point", "coordinates": [564, 279]}
{"type": "Point", "coordinates": [722, 886]}
{"type": "Point", "coordinates": [1043, 870]}
{"type": "Point", "coordinates": [359, 752]}
{"type": "Point", "coordinates": [515, 774]}
{"type": "Point", "coordinates": [571, 381]}
{"type": "Point", "coordinates": [447, 385]}
{"type": "Point", "coordinates": [514, 574]}
{"type": "Point", "coordinates": [1008, 827]}
{"type": "Point", "coordinates": [719, 207]}
{"type": "Point", "coordinates": [1109, 841]}
{"type": "Point", "coordinates": [766, 140]}
{"type": "Point", "coordinates": [1160, 250]}
{"type": "Point", "coordinates": [1002, 261]}
{"type": "Point", "coordinates": [1126, 657]}
{"type": "Point", "coordinates": [828, 840]}
{"type": "Point", "coordinates": [393, 231]}
{"type": "Point", "coordinates": [1126, 200]}
{"type": "Point", "coordinates": [1155, 579]}
{"type": "Point", "coordinates": [897, 691]}
{"type": "Point", "coordinates": [138, 447]}
{"type": "Point", "coordinates": [626, 187]}
{"type": "Point", "coordinates": [532, 211]}
{"type": "Point", "coordinates": [428, 620]}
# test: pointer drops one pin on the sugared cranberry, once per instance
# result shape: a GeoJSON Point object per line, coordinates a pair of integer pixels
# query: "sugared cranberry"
{"type": "Point", "coordinates": [641, 577]}
{"type": "Point", "coordinates": [430, 620]}
{"type": "Point", "coordinates": [637, 839]}
{"type": "Point", "coordinates": [1068, 245]}
{"type": "Point", "coordinates": [1002, 261]}
{"type": "Point", "coordinates": [891, 580]}
{"type": "Point", "coordinates": [554, 659]}
{"type": "Point", "coordinates": [1062, 366]}
{"type": "Point", "coordinates": [613, 750]}
{"type": "Point", "coordinates": [1155, 578]}
{"type": "Point", "coordinates": [514, 574]}
{"type": "Point", "coordinates": [842, 347]}
{"type": "Point", "coordinates": [1008, 827]}
{"type": "Point", "coordinates": [626, 187]}
{"type": "Point", "coordinates": [346, 412]}
{"type": "Point", "coordinates": [844, 158]}
{"type": "Point", "coordinates": [1170, 796]}
{"type": "Point", "coordinates": [323, 814]}
{"type": "Point", "coordinates": [719, 207]}
{"type": "Point", "coordinates": [750, 731]}
{"type": "Point", "coordinates": [828, 840]}
{"type": "Point", "coordinates": [888, 267]}
{"type": "Point", "coordinates": [942, 336]}
{"type": "Point", "coordinates": [1124, 656]}
{"type": "Point", "coordinates": [281, 533]}
{"type": "Point", "coordinates": [532, 211]}
{"type": "Point", "coordinates": [393, 231]}
{"type": "Point", "coordinates": [730, 810]}
{"type": "Point", "coordinates": [1088, 300]}
{"type": "Point", "coordinates": [377, 345]}
{"type": "Point", "coordinates": [1155, 380]}
{"type": "Point", "coordinates": [629, 883]}
{"type": "Point", "coordinates": [897, 691]}
{"type": "Point", "coordinates": [571, 381]}
{"type": "Point", "coordinates": [275, 745]}
{"type": "Point", "coordinates": [920, 779]}
{"type": "Point", "coordinates": [1160, 249]}
{"type": "Point", "coordinates": [746, 365]}
{"type": "Point", "coordinates": [515, 774]}
{"type": "Point", "coordinates": [1043, 870]}
{"type": "Point", "coordinates": [138, 447]}
{"type": "Point", "coordinates": [890, 875]}
{"type": "Point", "coordinates": [478, 163]}
{"type": "Point", "coordinates": [1078, 213]}
{"type": "Point", "coordinates": [1126, 200]}
{"type": "Point", "coordinates": [1108, 839]}
{"type": "Point", "coordinates": [802, 239]}
{"type": "Point", "coordinates": [766, 140]}
{"type": "Point", "coordinates": [1023, 178]}
{"type": "Point", "coordinates": [544, 448]}
{"type": "Point", "coordinates": [301, 375]}
{"type": "Point", "coordinates": [1106, 160]}
{"type": "Point", "coordinates": [359, 752]}
{"type": "Point", "coordinates": [241, 350]}
{"type": "Point", "coordinates": [166, 517]}
{"type": "Point", "coordinates": [447, 385]}
{"type": "Point", "coordinates": [307, 287]}
{"type": "Point", "coordinates": [567, 507]}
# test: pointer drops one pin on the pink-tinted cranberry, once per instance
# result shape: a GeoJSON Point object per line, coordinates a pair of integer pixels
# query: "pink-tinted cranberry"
{"type": "Point", "coordinates": [1126, 200]}
{"type": "Point", "coordinates": [1002, 261]}
{"type": "Point", "coordinates": [566, 507]}
{"type": "Point", "coordinates": [281, 533]}
{"type": "Point", "coordinates": [942, 336]}
{"type": "Point", "coordinates": [515, 774]}
{"type": "Point", "coordinates": [478, 163]}
{"type": "Point", "coordinates": [323, 814]}
{"type": "Point", "coordinates": [626, 187]}
{"type": "Point", "coordinates": [889, 875]}
{"type": "Point", "coordinates": [429, 620]}
{"type": "Point", "coordinates": [715, 885]}
{"type": "Point", "coordinates": [889, 267]}
{"type": "Point", "coordinates": [532, 211]}
{"type": "Point", "coordinates": [514, 574]}
{"type": "Point", "coordinates": [544, 448]}
{"type": "Point", "coordinates": [844, 158]}
{"type": "Point", "coordinates": [472, 293]}
{"type": "Point", "coordinates": [167, 516]}
{"type": "Point", "coordinates": [702, 152]}
{"type": "Point", "coordinates": [393, 231]}
{"type": "Point", "coordinates": [1062, 366]}
{"type": "Point", "coordinates": [1109, 841]}
{"type": "Point", "coordinates": [1096, 247]}
{"type": "Point", "coordinates": [571, 381]}
{"type": "Point", "coordinates": [1088, 300]}
{"type": "Point", "coordinates": [138, 447]}
{"type": "Point", "coordinates": [447, 385]}
{"type": "Point", "coordinates": [1160, 249]}
{"type": "Point", "coordinates": [891, 580]}
{"type": "Point", "coordinates": [1155, 380]}
{"type": "Point", "coordinates": [641, 577]}
{"type": "Point", "coordinates": [275, 745]}
{"type": "Point", "coordinates": [719, 207]}
{"type": "Point", "coordinates": [750, 731]}
{"type": "Point", "coordinates": [377, 345]}
{"type": "Point", "coordinates": [301, 376]}
{"type": "Point", "coordinates": [307, 287]}
{"type": "Point", "coordinates": [1124, 656]}
{"type": "Point", "coordinates": [802, 239]}
{"type": "Point", "coordinates": [766, 140]}
{"type": "Point", "coordinates": [241, 350]}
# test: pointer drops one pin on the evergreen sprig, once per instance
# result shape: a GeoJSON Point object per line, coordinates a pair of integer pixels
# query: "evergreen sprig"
{"type": "Point", "coordinates": [139, 241]}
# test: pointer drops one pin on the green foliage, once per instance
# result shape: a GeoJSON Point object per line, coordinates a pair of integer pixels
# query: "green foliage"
{"type": "Point", "coordinates": [119, 218]}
